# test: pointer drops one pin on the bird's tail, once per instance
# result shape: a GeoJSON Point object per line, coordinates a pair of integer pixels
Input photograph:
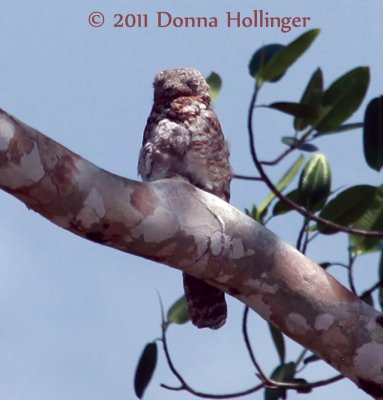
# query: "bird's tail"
{"type": "Point", "coordinates": [206, 304]}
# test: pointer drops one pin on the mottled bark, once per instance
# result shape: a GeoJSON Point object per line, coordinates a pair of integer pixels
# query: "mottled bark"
{"type": "Point", "coordinates": [174, 223]}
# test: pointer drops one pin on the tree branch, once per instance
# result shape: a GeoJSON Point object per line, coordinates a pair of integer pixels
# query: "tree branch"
{"type": "Point", "coordinates": [174, 223]}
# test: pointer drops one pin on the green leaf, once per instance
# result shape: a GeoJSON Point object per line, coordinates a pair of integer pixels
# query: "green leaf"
{"type": "Point", "coordinates": [262, 56]}
{"type": "Point", "coordinates": [312, 96]}
{"type": "Point", "coordinates": [145, 369]}
{"type": "Point", "coordinates": [342, 99]}
{"type": "Point", "coordinates": [295, 109]}
{"type": "Point", "coordinates": [371, 219]}
{"type": "Point", "coordinates": [283, 373]}
{"type": "Point", "coordinates": [373, 133]}
{"type": "Point", "coordinates": [341, 129]}
{"type": "Point", "coordinates": [290, 141]}
{"type": "Point", "coordinates": [286, 179]}
{"type": "Point", "coordinates": [215, 83]}
{"type": "Point", "coordinates": [373, 247]}
{"type": "Point", "coordinates": [283, 59]}
{"type": "Point", "coordinates": [279, 342]}
{"type": "Point", "coordinates": [315, 182]}
{"type": "Point", "coordinates": [253, 213]}
{"type": "Point", "coordinates": [293, 142]}
{"type": "Point", "coordinates": [282, 207]}
{"type": "Point", "coordinates": [347, 207]}
{"type": "Point", "coordinates": [178, 312]}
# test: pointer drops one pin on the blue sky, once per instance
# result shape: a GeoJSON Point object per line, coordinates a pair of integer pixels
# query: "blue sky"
{"type": "Point", "coordinates": [74, 315]}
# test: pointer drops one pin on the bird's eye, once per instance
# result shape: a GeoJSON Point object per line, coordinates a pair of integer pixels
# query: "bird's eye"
{"type": "Point", "coordinates": [192, 85]}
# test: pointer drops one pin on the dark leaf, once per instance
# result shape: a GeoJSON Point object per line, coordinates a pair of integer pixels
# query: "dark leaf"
{"type": "Point", "coordinates": [373, 133]}
{"type": "Point", "coordinates": [347, 206]}
{"type": "Point", "coordinates": [325, 265]}
{"type": "Point", "coordinates": [279, 342]}
{"type": "Point", "coordinates": [312, 96]}
{"type": "Point", "coordinates": [308, 147]}
{"type": "Point", "coordinates": [283, 373]}
{"type": "Point", "coordinates": [278, 65]}
{"type": "Point", "coordinates": [315, 182]}
{"type": "Point", "coordinates": [215, 83]}
{"type": "Point", "coordinates": [295, 109]}
{"type": "Point", "coordinates": [293, 142]}
{"type": "Point", "coordinates": [262, 57]}
{"type": "Point", "coordinates": [145, 369]}
{"type": "Point", "coordinates": [178, 312]}
{"type": "Point", "coordinates": [304, 385]}
{"type": "Point", "coordinates": [342, 99]}
{"type": "Point", "coordinates": [341, 129]}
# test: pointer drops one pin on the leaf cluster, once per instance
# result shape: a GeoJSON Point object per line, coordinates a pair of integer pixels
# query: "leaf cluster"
{"type": "Point", "coordinates": [324, 112]}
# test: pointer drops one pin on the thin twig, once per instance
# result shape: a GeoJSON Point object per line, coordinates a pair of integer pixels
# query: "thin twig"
{"type": "Point", "coordinates": [285, 153]}
{"type": "Point", "coordinates": [312, 237]}
{"type": "Point", "coordinates": [169, 360]}
{"type": "Point", "coordinates": [268, 382]}
{"type": "Point", "coordinates": [338, 264]}
{"type": "Point", "coordinates": [300, 359]}
{"type": "Point", "coordinates": [216, 396]}
{"type": "Point", "coordinates": [263, 376]}
{"type": "Point", "coordinates": [350, 271]}
{"type": "Point", "coordinates": [185, 386]}
{"type": "Point", "coordinates": [372, 289]}
{"type": "Point", "coordinates": [306, 237]}
{"type": "Point", "coordinates": [302, 233]}
{"type": "Point", "coordinates": [325, 382]}
{"type": "Point", "coordinates": [247, 177]}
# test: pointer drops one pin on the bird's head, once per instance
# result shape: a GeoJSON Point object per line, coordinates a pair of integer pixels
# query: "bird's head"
{"type": "Point", "coordinates": [179, 82]}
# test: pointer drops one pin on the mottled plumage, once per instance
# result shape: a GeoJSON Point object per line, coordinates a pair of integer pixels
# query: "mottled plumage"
{"type": "Point", "coordinates": [183, 137]}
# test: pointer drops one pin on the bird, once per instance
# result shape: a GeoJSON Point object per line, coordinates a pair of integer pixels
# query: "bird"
{"type": "Point", "coordinates": [183, 138]}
